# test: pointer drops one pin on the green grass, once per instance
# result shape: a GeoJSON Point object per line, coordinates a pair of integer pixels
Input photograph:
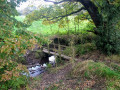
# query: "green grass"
{"type": "Point", "coordinates": [38, 27]}
{"type": "Point", "coordinates": [20, 18]}
{"type": "Point", "coordinates": [97, 71]}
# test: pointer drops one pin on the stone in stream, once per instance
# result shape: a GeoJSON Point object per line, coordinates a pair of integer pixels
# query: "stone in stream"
{"type": "Point", "coordinates": [52, 60]}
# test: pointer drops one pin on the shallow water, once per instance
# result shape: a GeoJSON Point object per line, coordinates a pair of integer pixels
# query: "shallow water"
{"type": "Point", "coordinates": [35, 70]}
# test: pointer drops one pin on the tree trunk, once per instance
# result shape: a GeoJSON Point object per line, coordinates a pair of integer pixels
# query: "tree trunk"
{"type": "Point", "coordinates": [93, 11]}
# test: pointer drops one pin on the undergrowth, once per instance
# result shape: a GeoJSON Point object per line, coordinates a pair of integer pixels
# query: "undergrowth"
{"type": "Point", "coordinates": [80, 49]}
{"type": "Point", "coordinates": [97, 71]}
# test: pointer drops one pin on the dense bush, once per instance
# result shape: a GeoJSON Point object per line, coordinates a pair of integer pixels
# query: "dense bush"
{"type": "Point", "coordinates": [80, 49]}
{"type": "Point", "coordinates": [10, 75]}
{"type": "Point", "coordinates": [108, 38]}
{"type": "Point", "coordinates": [14, 41]}
{"type": "Point", "coordinates": [85, 48]}
{"type": "Point", "coordinates": [109, 42]}
{"type": "Point", "coordinates": [84, 38]}
{"type": "Point", "coordinates": [13, 48]}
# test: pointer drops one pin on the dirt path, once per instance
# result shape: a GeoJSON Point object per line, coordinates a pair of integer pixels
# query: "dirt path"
{"type": "Point", "coordinates": [51, 78]}
{"type": "Point", "coordinates": [54, 78]}
{"type": "Point", "coordinates": [59, 79]}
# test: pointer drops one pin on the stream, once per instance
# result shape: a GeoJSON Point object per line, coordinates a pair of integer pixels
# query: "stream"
{"type": "Point", "coordinates": [37, 68]}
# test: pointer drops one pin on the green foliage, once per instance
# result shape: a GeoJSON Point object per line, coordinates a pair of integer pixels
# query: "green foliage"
{"type": "Point", "coordinates": [51, 14]}
{"type": "Point", "coordinates": [14, 41]}
{"type": "Point", "coordinates": [54, 29]}
{"type": "Point", "coordinates": [67, 51]}
{"type": "Point", "coordinates": [59, 61]}
{"type": "Point", "coordinates": [90, 69]}
{"type": "Point", "coordinates": [108, 39]}
{"type": "Point", "coordinates": [22, 60]}
{"type": "Point", "coordinates": [108, 31]}
{"type": "Point", "coordinates": [80, 49]}
{"type": "Point", "coordinates": [37, 55]}
{"type": "Point", "coordinates": [10, 77]}
{"type": "Point", "coordinates": [115, 67]}
{"type": "Point", "coordinates": [7, 20]}
{"type": "Point", "coordinates": [85, 38]}
{"type": "Point", "coordinates": [85, 48]}
{"type": "Point", "coordinates": [49, 66]}
{"type": "Point", "coordinates": [57, 25]}
{"type": "Point", "coordinates": [15, 46]}
{"type": "Point", "coordinates": [14, 84]}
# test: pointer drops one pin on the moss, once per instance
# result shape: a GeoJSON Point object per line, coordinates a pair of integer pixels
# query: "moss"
{"type": "Point", "coordinates": [37, 55]}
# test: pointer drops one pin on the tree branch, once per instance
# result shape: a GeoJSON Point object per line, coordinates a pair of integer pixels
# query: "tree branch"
{"type": "Point", "coordinates": [62, 16]}
{"type": "Point", "coordinates": [56, 2]}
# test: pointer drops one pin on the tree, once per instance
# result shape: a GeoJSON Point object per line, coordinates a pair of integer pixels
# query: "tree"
{"type": "Point", "coordinates": [13, 45]}
{"type": "Point", "coordinates": [104, 14]}
{"type": "Point", "coordinates": [7, 16]}
{"type": "Point", "coordinates": [14, 39]}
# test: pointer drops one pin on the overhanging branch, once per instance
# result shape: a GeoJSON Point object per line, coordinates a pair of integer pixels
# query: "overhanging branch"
{"type": "Point", "coordinates": [62, 16]}
{"type": "Point", "coordinates": [56, 2]}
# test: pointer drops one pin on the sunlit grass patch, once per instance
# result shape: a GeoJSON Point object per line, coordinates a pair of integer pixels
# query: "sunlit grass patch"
{"type": "Point", "coordinates": [39, 27]}
{"type": "Point", "coordinates": [20, 18]}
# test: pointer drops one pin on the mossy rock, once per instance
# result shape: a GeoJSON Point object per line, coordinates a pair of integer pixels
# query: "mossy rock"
{"type": "Point", "coordinates": [38, 54]}
{"type": "Point", "coordinates": [22, 60]}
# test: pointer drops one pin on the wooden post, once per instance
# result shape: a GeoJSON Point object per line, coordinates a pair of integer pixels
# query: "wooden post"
{"type": "Point", "coordinates": [59, 48]}
{"type": "Point", "coordinates": [48, 49]}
